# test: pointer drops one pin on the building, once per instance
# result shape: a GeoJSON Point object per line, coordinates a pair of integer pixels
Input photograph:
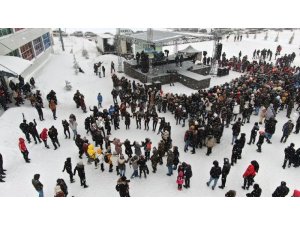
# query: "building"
{"type": "Point", "coordinates": [33, 44]}
{"type": "Point", "coordinates": [106, 43]}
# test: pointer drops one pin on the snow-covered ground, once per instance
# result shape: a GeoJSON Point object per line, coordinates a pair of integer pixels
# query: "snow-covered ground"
{"type": "Point", "coordinates": [49, 163]}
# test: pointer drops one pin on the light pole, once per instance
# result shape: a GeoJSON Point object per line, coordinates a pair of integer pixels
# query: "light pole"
{"type": "Point", "coordinates": [61, 39]}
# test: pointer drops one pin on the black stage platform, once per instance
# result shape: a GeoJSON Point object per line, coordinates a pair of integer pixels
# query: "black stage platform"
{"type": "Point", "coordinates": [190, 75]}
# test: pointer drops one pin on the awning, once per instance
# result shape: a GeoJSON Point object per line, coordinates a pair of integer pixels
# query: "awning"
{"type": "Point", "coordinates": [189, 50]}
{"type": "Point", "coordinates": [13, 65]}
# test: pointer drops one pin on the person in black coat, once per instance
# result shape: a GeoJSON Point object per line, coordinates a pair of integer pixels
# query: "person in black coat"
{"type": "Point", "coordinates": [63, 186]}
{"type": "Point", "coordinates": [256, 191]}
{"type": "Point", "coordinates": [241, 145]}
{"type": "Point", "coordinates": [81, 173]}
{"type": "Point", "coordinates": [225, 172]}
{"type": "Point", "coordinates": [53, 136]}
{"type": "Point", "coordinates": [270, 128]}
{"type": "Point", "coordinates": [176, 157]}
{"type": "Point", "coordinates": [235, 150]}
{"type": "Point", "coordinates": [98, 138]}
{"type": "Point", "coordinates": [187, 174]}
{"type": "Point", "coordinates": [25, 129]}
{"type": "Point", "coordinates": [215, 173]}
{"type": "Point", "coordinates": [66, 128]}
{"type": "Point", "coordinates": [297, 125]}
{"type": "Point", "coordinates": [103, 71]}
{"type": "Point", "coordinates": [281, 191]}
{"type": "Point", "coordinates": [127, 120]}
{"type": "Point", "coordinates": [236, 129]}
{"type": "Point", "coordinates": [128, 149]}
{"type": "Point", "coordinates": [253, 134]}
{"type": "Point", "coordinates": [33, 131]}
{"type": "Point", "coordinates": [143, 166]}
{"type": "Point", "coordinates": [289, 155]}
{"type": "Point", "coordinates": [79, 143]}
{"type": "Point", "coordinates": [68, 168]}
{"type": "Point", "coordinates": [260, 140]}
{"type": "Point", "coordinates": [2, 171]}
{"type": "Point", "coordinates": [39, 109]}
{"type": "Point", "coordinates": [122, 186]}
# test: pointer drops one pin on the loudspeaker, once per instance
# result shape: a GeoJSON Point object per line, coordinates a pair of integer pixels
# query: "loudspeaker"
{"type": "Point", "coordinates": [218, 51]}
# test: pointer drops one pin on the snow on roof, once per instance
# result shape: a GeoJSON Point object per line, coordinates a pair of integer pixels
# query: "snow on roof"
{"type": "Point", "coordinates": [12, 64]}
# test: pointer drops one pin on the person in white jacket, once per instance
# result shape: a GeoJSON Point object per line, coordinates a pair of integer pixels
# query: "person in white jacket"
{"type": "Point", "coordinates": [73, 125]}
{"type": "Point", "coordinates": [236, 110]}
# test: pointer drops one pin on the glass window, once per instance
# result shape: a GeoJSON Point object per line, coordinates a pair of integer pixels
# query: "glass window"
{"type": "Point", "coordinates": [14, 53]}
{"type": "Point", "coordinates": [27, 51]}
{"type": "Point", "coordinates": [46, 40]}
{"type": "Point", "coordinates": [38, 46]}
{"type": "Point", "coordinates": [5, 31]}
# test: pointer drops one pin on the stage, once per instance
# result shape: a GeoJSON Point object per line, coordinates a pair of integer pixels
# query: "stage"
{"type": "Point", "coordinates": [191, 75]}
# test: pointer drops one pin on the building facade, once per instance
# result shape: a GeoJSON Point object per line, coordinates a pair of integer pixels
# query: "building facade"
{"type": "Point", "coordinates": [34, 44]}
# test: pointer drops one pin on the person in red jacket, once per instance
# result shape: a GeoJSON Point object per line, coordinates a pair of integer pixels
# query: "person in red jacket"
{"type": "Point", "coordinates": [296, 193]}
{"type": "Point", "coordinates": [23, 149]}
{"type": "Point", "coordinates": [250, 174]}
{"type": "Point", "coordinates": [44, 137]}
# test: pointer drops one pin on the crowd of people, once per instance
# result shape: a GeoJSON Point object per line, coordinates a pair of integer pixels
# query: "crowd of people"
{"type": "Point", "coordinates": [264, 90]}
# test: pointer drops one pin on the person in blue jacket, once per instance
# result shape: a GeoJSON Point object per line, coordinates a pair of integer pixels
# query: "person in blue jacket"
{"type": "Point", "coordinates": [100, 99]}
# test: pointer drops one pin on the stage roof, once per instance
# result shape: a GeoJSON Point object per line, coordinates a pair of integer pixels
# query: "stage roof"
{"type": "Point", "coordinates": [166, 38]}
{"type": "Point", "coordinates": [158, 36]}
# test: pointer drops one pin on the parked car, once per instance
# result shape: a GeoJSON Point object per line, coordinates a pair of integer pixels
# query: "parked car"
{"type": "Point", "coordinates": [55, 33]}
{"type": "Point", "coordinates": [89, 34]}
{"type": "Point", "coordinates": [77, 34]}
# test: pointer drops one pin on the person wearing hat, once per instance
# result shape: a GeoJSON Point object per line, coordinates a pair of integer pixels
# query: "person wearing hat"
{"type": "Point", "coordinates": [281, 191]}
{"type": "Point", "coordinates": [289, 154]}
{"type": "Point", "coordinates": [225, 172]}
{"type": "Point", "coordinates": [215, 173]}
